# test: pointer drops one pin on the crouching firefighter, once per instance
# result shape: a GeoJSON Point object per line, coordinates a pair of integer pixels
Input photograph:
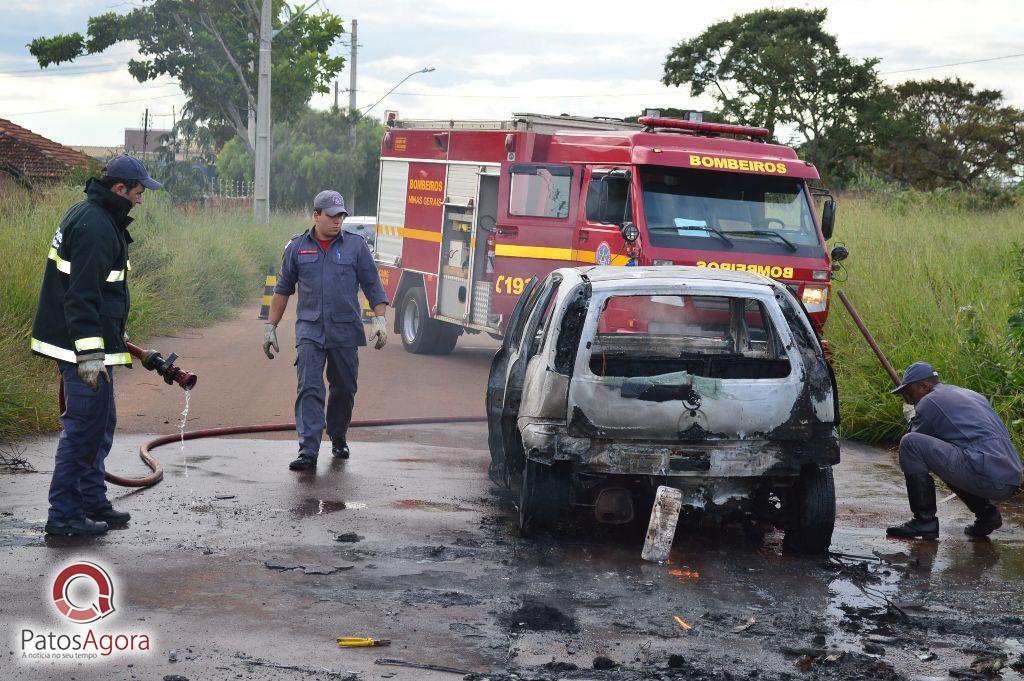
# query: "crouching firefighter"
{"type": "Point", "coordinates": [80, 322]}
{"type": "Point", "coordinates": [955, 434]}
{"type": "Point", "coordinates": [328, 266]}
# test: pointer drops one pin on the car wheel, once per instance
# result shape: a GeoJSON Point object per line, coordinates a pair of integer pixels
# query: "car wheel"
{"type": "Point", "coordinates": [539, 498]}
{"type": "Point", "coordinates": [811, 512]}
{"type": "Point", "coordinates": [420, 334]}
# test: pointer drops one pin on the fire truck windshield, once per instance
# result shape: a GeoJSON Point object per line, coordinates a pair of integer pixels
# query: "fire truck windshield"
{"type": "Point", "coordinates": [708, 210]}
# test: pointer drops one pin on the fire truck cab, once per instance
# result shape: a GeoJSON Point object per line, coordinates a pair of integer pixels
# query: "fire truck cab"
{"type": "Point", "coordinates": [470, 211]}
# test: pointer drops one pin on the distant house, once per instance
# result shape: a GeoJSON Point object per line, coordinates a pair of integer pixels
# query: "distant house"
{"type": "Point", "coordinates": [35, 157]}
{"type": "Point", "coordinates": [139, 142]}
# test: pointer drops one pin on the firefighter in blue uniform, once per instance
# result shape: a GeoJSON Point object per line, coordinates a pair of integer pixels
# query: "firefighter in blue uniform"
{"type": "Point", "coordinates": [955, 434]}
{"type": "Point", "coordinates": [80, 322]}
{"type": "Point", "coordinates": [328, 266]}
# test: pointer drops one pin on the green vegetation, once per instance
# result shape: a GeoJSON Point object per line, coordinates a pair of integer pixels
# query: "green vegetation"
{"type": "Point", "coordinates": [188, 269]}
{"type": "Point", "coordinates": [933, 277]}
{"type": "Point", "coordinates": [934, 281]}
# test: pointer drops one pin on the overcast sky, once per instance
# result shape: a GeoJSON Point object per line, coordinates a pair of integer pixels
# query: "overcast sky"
{"type": "Point", "coordinates": [492, 59]}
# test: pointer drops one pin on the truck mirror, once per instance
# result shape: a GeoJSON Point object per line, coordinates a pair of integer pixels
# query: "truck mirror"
{"type": "Point", "coordinates": [828, 218]}
{"type": "Point", "coordinates": [630, 232]}
{"type": "Point", "coordinates": [840, 253]}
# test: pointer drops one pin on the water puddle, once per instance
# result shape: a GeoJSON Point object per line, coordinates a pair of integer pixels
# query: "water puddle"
{"type": "Point", "coordinates": [311, 507]}
{"type": "Point", "coordinates": [421, 505]}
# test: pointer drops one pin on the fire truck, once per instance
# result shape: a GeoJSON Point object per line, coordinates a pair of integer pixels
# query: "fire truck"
{"type": "Point", "coordinates": [469, 211]}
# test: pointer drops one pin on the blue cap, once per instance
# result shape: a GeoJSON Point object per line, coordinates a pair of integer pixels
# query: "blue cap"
{"type": "Point", "coordinates": [330, 202]}
{"type": "Point", "coordinates": [125, 167]}
{"type": "Point", "coordinates": [918, 371]}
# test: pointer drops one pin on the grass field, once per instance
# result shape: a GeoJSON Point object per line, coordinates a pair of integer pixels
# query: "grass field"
{"type": "Point", "coordinates": [188, 269]}
{"type": "Point", "coordinates": [932, 282]}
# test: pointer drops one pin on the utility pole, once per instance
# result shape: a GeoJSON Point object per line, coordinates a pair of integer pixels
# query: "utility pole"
{"type": "Point", "coordinates": [352, 69]}
{"type": "Point", "coordinates": [335, 95]}
{"type": "Point", "coordinates": [145, 133]}
{"type": "Point", "coordinates": [251, 126]}
{"type": "Point", "coordinates": [261, 190]}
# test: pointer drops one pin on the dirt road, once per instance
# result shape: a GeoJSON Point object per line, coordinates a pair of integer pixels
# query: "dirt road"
{"type": "Point", "coordinates": [239, 385]}
{"type": "Point", "coordinates": [238, 568]}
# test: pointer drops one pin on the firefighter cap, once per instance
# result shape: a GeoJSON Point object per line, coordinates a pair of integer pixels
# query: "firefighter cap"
{"type": "Point", "coordinates": [330, 202]}
{"type": "Point", "coordinates": [918, 371]}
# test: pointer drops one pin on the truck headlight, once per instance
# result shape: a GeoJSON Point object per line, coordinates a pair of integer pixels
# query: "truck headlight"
{"type": "Point", "coordinates": [815, 298]}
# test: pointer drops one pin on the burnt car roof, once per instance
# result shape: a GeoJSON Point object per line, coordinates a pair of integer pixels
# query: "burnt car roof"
{"type": "Point", "coordinates": [612, 273]}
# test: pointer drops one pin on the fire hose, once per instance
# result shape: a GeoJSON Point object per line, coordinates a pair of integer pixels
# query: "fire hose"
{"type": "Point", "coordinates": [154, 361]}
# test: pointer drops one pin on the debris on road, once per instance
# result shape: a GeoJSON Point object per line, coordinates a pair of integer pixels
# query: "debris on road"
{"type": "Point", "coordinates": [421, 665]}
{"type": "Point", "coordinates": [349, 537]}
{"type": "Point", "coordinates": [536, 616]}
{"type": "Point", "coordinates": [661, 531]}
{"type": "Point", "coordinates": [357, 642]}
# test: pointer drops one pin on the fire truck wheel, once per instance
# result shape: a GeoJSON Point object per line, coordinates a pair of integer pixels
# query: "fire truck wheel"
{"type": "Point", "coordinates": [811, 512]}
{"type": "Point", "coordinates": [422, 335]}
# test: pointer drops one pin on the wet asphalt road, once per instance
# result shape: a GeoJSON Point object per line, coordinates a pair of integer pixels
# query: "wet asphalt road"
{"type": "Point", "coordinates": [222, 563]}
{"type": "Point", "coordinates": [232, 562]}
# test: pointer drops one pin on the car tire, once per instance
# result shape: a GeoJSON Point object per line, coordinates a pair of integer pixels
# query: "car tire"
{"type": "Point", "coordinates": [540, 498]}
{"type": "Point", "coordinates": [811, 512]}
{"type": "Point", "coordinates": [420, 334]}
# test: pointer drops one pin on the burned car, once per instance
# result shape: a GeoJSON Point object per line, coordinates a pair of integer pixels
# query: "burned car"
{"type": "Point", "coordinates": [612, 381]}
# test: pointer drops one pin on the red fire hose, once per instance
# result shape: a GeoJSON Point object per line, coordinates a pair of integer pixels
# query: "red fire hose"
{"type": "Point", "coordinates": [154, 361]}
{"type": "Point", "coordinates": [158, 471]}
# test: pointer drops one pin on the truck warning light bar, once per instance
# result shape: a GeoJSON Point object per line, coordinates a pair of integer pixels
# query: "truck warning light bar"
{"type": "Point", "coordinates": [695, 126]}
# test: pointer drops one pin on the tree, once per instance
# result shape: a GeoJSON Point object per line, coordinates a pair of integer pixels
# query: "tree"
{"type": "Point", "coordinates": [319, 150]}
{"type": "Point", "coordinates": [780, 67]}
{"type": "Point", "coordinates": [950, 135]}
{"type": "Point", "coordinates": [211, 48]}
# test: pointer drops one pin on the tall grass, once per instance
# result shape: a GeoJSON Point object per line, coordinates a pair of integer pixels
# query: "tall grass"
{"type": "Point", "coordinates": [189, 268]}
{"type": "Point", "coordinates": [933, 281]}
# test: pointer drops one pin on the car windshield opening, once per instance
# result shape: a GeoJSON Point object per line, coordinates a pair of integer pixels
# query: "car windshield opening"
{"type": "Point", "coordinates": [709, 336]}
{"type": "Point", "coordinates": [685, 208]}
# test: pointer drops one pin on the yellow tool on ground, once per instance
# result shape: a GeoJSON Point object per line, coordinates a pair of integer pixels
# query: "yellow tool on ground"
{"type": "Point", "coordinates": [352, 642]}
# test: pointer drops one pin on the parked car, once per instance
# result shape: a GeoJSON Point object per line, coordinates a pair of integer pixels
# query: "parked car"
{"type": "Point", "coordinates": [611, 381]}
{"type": "Point", "coordinates": [363, 225]}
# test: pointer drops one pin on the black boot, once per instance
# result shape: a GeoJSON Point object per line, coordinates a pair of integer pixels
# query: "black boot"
{"type": "Point", "coordinates": [339, 448]}
{"type": "Point", "coordinates": [986, 515]}
{"type": "Point", "coordinates": [921, 494]}
{"type": "Point", "coordinates": [75, 527]}
{"type": "Point", "coordinates": [108, 515]}
{"type": "Point", "coordinates": [303, 463]}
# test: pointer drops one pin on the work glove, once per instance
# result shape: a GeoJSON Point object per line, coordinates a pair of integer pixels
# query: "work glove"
{"type": "Point", "coordinates": [380, 331]}
{"type": "Point", "coordinates": [92, 371]}
{"type": "Point", "coordinates": [909, 412]}
{"type": "Point", "coordinates": [270, 339]}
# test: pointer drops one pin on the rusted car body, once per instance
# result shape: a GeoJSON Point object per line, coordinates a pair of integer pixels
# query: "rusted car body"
{"type": "Point", "coordinates": [612, 381]}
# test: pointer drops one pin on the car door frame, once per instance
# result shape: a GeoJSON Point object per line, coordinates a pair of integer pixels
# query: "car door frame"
{"type": "Point", "coordinates": [508, 369]}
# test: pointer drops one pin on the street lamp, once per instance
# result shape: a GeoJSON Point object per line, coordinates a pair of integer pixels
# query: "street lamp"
{"type": "Point", "coordinates": [426, 69]}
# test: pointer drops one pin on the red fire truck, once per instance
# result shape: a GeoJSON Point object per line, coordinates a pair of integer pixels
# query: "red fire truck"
{"type": "Point", "coordinates": [469, 211]}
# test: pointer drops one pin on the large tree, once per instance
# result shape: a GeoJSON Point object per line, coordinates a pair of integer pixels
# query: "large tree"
{"type": "Point", "coordinates": [779, 67]}
{"type": "Point", "coordinates": [319, 150]}
{"type": "Point", "coordinates": [950, 135]}
{"type": "Point", "coordinates": [211, 48]}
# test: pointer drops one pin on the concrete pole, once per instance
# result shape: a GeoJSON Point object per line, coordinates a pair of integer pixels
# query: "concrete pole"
{"type": "Point", "coordinates": [261, 190]}
{"type": "Point", "coordinates": [251, 127]}
{"type": "Point", "coordinates": [352, 68]}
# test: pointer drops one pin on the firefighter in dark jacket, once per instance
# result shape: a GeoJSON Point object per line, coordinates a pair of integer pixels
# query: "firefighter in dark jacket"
{"type": "Point", "coordinates": [80, 322]}
{"type": "Point", "coordinates": [328, 267]}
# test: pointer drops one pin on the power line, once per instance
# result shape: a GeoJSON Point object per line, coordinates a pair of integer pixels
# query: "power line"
{"type": "Point", "coordinates": [93, 106]}
{"type": "Point", "coordinates": [57, 70]}
{"type": "Point", "coordinates": [445, 96]}
{"type": "Point", "coordinates": [959, 63]}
